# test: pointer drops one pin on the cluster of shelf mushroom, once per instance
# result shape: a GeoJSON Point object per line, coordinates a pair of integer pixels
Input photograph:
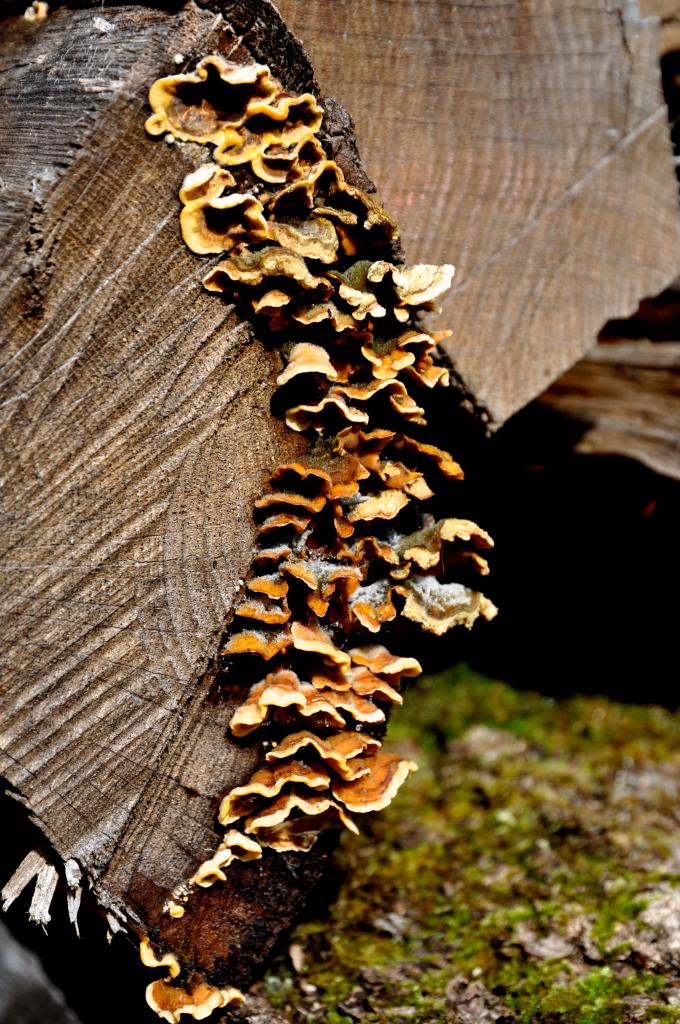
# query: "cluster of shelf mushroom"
{"type": "Point", "coordinates": [347, 536]}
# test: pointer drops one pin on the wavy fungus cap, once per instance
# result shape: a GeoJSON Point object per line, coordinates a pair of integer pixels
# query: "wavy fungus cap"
{"type": "Point", "coordinates": [198, 106]}
{"type": "Point", "coordinates": [171, 1002]}
{"type": "Point", "coordinates": [350, 536]}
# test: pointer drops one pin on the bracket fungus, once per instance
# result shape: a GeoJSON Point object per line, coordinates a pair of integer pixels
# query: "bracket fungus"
{"type": "Point", "coordinates": [170, 1002]}
{"type": "Point", "coordinates": [349, 536]}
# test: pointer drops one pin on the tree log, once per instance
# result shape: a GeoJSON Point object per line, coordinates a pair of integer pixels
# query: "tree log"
{"type": "Point", "coordinates": [135, 407]}
{"type": "Point", "coordinates": [626, 396]}
{"type": "Point", "coordinates": [526, 143]}
{"type": "Point", "coordinates": [137, 435]}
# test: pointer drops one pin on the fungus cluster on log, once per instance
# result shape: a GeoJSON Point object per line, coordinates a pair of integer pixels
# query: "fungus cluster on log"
{"type": "Point", "coordinates": [348, 535]}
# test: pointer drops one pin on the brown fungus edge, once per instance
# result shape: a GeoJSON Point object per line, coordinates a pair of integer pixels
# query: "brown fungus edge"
{"type": "Point", "coordinates": [347, 539]}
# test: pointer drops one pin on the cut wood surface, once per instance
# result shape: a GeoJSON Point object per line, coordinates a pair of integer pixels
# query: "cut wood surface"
{"type": "Point", "coordinates": [526, 143]}
{"type": "Point", "coordinates": [136, 436]}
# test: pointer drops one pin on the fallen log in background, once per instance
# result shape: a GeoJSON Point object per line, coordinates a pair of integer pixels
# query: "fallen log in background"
{"type": "Point", "coordinates": [627, 396]}
{"type": "Point", "coordinates": [135, 408]}
{"type": "Point", "coordinates": [526, 143]}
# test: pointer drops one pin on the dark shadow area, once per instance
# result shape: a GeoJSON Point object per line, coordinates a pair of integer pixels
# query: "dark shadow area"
{"type": "Point", "coordinates": [583, 570]}
{"type": "Point", "coordinates": [657, 319]}
{"type": "Point", "coordinates": [102, 982]}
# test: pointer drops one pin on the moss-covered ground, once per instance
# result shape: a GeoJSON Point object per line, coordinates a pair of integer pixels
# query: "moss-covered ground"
{"type": "Point", "coordinates": [529, 872]}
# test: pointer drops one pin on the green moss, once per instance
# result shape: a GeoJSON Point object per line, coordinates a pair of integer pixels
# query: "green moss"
{"type": "Point", "coordinates": [602, 997]}
{"type": "Point", "coordinates": [521, 856]}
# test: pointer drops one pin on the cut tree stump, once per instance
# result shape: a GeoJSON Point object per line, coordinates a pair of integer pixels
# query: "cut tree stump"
{"type": "Point", "coordinates": [135, 407]}
{"type": "Point", "coordinates": [137, 435]}
{"type": "Point", "coordinates": [528, 144]}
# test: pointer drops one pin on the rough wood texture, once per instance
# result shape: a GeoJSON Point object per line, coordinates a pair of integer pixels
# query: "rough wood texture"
{"type": "Point", "coordinates": [627, 396]}
{"type": "Point", "coordinates": [136, 437]}
{"type": "Point", "coordinates": [526, 143]}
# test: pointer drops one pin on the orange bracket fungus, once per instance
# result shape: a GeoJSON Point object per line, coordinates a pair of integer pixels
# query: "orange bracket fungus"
{"type": "Point", "coordinates": [348, 536]}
